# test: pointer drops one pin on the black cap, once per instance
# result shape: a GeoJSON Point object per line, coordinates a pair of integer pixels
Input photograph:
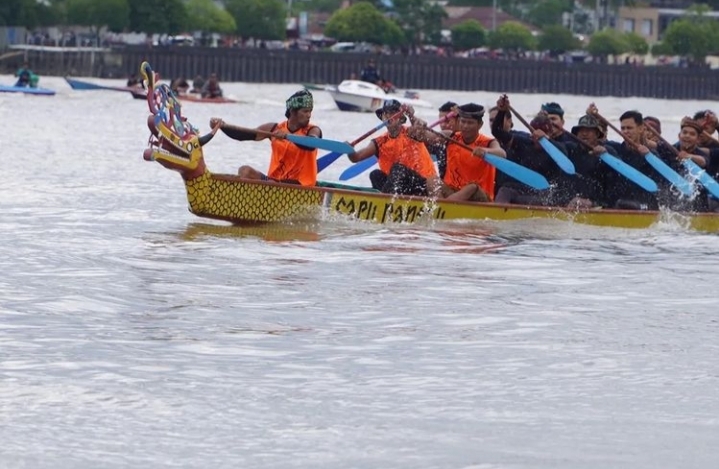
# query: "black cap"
{"type": "Point", "coordinates": [390, 106]}
{"type": "Point", "coordinates": [471, 111]}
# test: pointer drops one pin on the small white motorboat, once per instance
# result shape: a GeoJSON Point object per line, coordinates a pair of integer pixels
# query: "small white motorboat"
{"type": "Point", "coordinates": [361, 96]}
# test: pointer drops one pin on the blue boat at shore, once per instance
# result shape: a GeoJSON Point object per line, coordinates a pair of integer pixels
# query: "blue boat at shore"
{"type": "Point", "coordinates": [82, 85]}
{"type": "Point", "coordinates": [26, 90]}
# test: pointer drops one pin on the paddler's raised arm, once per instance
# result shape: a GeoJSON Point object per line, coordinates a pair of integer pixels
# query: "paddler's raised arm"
{"type": "Point", "coordinates": [241, 133]}
{"type": "Point", "coordinates": [207, 137]}
{"type": "Point", "coordinates": [494, 148]}
{"type": "Point", "coordinates": [497, 125]}
{"type": "Point", "coordinates": [364, 153]}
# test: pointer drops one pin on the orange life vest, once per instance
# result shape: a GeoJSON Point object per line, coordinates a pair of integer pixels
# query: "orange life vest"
{"type": "Point", "coordinates": [464, 168]}
{"type": "Point", "coordinates": [290, 162]}
{"type": "Point", "coordinates": [405, 151]}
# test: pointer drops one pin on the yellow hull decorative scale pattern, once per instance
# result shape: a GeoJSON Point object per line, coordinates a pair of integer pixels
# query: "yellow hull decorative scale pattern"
{"type": "Point", "coordinates": [231, 198]}
{"type": "Point", "coordinates": [175, 145]}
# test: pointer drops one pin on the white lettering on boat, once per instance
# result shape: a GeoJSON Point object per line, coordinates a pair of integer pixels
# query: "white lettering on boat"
{"type": "Point", "coordinates": [385, 211]}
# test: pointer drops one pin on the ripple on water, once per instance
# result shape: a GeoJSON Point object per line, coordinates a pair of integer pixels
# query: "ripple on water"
{"type": "Point", "coordinates": [133, 334]}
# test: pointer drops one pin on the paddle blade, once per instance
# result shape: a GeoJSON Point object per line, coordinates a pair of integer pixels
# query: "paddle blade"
{"type": "Point", "coordinates": [525, 175]}
{"type": "Point", "coordinates": [358, 168]}
{"type": "Point", "coordinates": [629, 172]}
{"type": "Point", "coordinates": [707, 181]}
{"type": "Point", "coordinates": [564, 163]}
{"type": "Point", "coordinates": [684, 186]}
{"type": "Point", "coordinates": [326, 160]}
{"type": "Point", "coordinates": [314, 142]}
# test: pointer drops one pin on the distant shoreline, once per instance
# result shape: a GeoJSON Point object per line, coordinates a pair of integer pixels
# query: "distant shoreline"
{"type": "Point", "coordinates": [420, 72]}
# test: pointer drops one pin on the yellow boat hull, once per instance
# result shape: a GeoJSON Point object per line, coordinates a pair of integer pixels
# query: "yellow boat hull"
{"type": "Point", "coordinates": [240, 201]}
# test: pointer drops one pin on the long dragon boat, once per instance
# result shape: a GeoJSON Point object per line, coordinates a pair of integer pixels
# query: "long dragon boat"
{"type": "Point", "coordinates": [175, 144]}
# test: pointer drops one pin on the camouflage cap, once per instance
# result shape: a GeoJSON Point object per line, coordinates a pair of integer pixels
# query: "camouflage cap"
{"type": "Point", "coordinates": [588, 122]}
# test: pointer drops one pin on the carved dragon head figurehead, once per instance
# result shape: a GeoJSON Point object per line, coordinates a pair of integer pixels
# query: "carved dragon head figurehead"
{"type": "Point", "coordinates": [174, 142]}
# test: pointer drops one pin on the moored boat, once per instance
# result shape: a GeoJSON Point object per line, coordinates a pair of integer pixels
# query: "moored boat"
{"type": "Point", "coordinates": [82, 85]}
{"type": "Point", "coordinates": [361, 96]}
{"type": "Point", "coordinates": [176, 146]}
{"type": "Point", "coordinates": [27, 90]}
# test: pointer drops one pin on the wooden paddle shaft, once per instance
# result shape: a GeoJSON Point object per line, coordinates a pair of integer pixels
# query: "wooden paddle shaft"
{"type": "Point", "coordinates": [612, 126]}
{"type": "Point", "coordinates": [651, 129]}
{"type": "Point", "coordinates": [450, 139]}
{"type": "Point", "coordinates": [521, 119]}
{"type": "Point", "coordinates": [375, 129]}
{"type": "Point", "coordinates": [574, 137]}
{"type": "Point", "coordinates": [446, 117]}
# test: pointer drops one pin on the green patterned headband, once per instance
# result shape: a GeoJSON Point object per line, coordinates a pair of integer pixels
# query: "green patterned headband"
{"type": "Point", "coordinates": [300, 100]}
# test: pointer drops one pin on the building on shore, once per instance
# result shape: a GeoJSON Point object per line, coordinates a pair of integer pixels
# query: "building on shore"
{"type": "Point", "coordinates": [651, 22]}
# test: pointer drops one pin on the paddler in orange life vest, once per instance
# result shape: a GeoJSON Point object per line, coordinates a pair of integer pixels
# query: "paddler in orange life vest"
{"type": "Point", "coordinates": [405, 166]}
{"type": "Point", "coordinates": [468, 176]}
{"type": "Point", "coordinates": [290, 163]}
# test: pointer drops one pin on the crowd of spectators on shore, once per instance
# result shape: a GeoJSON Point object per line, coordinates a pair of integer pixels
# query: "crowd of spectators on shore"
{"type": "Point", "coordinates": [321, 43]}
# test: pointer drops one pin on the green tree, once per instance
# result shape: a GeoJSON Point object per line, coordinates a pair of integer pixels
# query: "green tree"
{"type": "Point", "coordinates": [324, 6]}
{"type": "Point", "coordinates": [19, 13]}
{"type": "Point", "coordinates": [421, 20]}
{"type": "Point", "coordinates": [51, 13]}
{"type": "Point", "coordinates": [549, 12]}
{"type": "Point", "coordinates": [694, 37]}
{"type": "Point", "coordinates": [661, 48]}
{"type": "Point", "coordinates": [512, 36]}
{"type": "Point", "coordinates": [260, 19]}
{"type": "Point", "coordinates": [206, 16]}
{"type": "Point", "coordinates": [114, 14]}
{"type": "Point", "coordinates": [636, 44]}
{"type": "Point", "coordinates": [158, 16]}
{"type": "Point", "coordinates": [557, 40]}
{"type": "Point", "coordinates": [690, 39]}
{"type": "Point", "coordinates": [363, 22]}
{"type": "Point", "coordinates": [468, 35]}
{"type": "Point", "coordinates": [607, 42]}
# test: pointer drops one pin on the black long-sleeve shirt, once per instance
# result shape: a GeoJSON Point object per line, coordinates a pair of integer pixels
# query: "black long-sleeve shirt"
{"type": "Point", "coordinates": [523, 150]}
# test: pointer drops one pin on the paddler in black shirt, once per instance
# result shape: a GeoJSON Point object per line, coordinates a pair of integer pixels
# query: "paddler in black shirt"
{"type": "Point", "coordinates": [523, 149]}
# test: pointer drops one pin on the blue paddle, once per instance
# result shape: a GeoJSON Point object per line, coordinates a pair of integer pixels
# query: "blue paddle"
{"type": "Point", "coordinates": [358, 168]}
{"type": "Point", "coordinates": [699, 174]}
{"type": "Point", "coordinates": [621, 167]}
{"type": "Point", "coordinates": [329, 158]}
{"type": "Point", "coordinates": [684, 186]}
{"type": "Point", "coordinates": [696, 172]}
{"type": "Point", "coordinates": [520, 173]}
{"type": "Point", "coordinates": [324, 144]}
{"type": "Point", "coordinates": [629, 172]}
{"type": "Point", "coordinates": [516, 171]}
{"type": "Point", "coordinates": [564, 163]}
{"type": "Point", "coordinates": [311, 142]}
